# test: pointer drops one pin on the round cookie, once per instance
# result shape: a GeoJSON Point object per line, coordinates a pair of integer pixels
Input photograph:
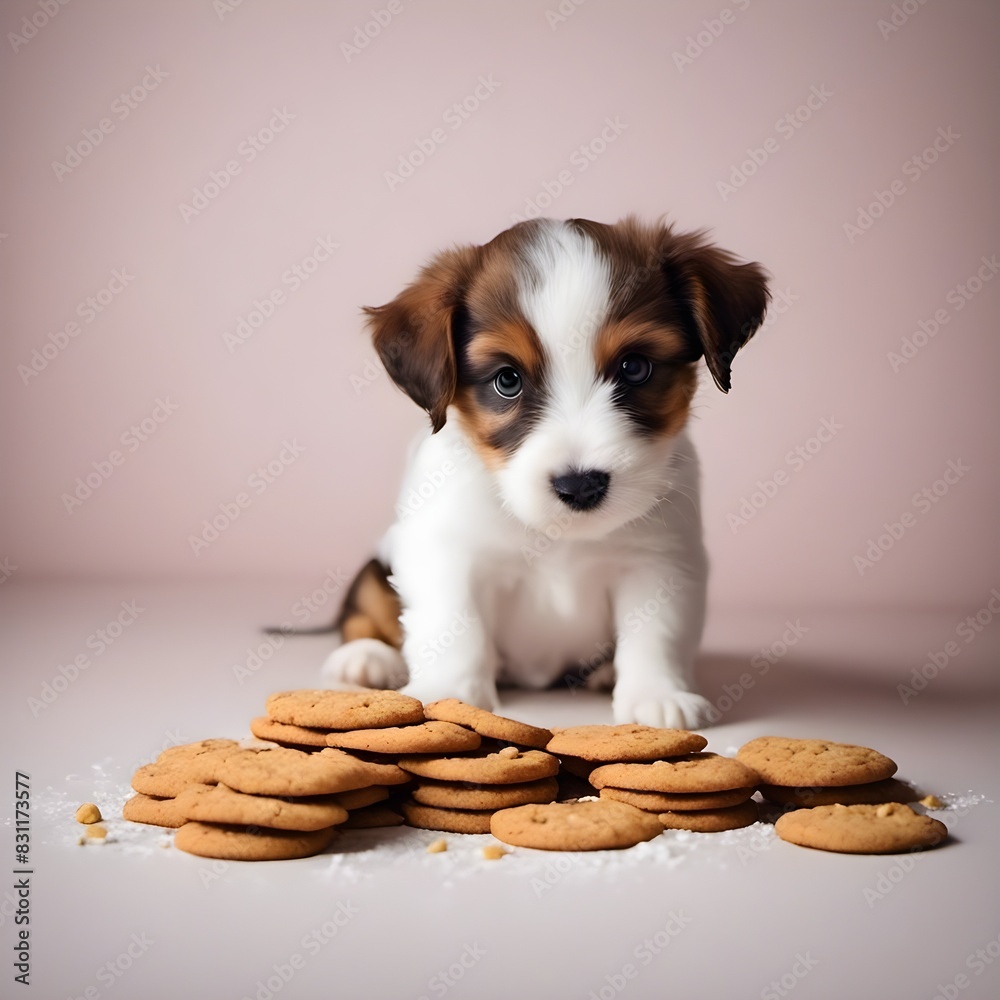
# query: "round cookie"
{"type": "Point", "coordinates": [236, 843]}
{"type": "Point", "coordinates": [448, 820]}
{"type": "Point", "coordinates": [379, 773]}
{"type": "Point", "coordinates": [799, 763]}
{"type": "Point", "coordinates": [630, 742]}
{"type": "Point", "coordinates": [372, 817]}
{"type": "Point", "coordinates": [889, 828]}
{"type": "Point", "coordinates": [188, 750]}
{"type": "Point", "coordinates": [344, 709]}
{"type": "Point", "coordinates": [283, 771]}
{"type": "Point", "coordinates": [872, 793]}
{"type": "Point", "coordinates": [220, 804]}
{"type": "Point", "coordinates": [502, 767]}
{"type": "Point", "coordinates": [459, 795]}
{"type": "Point", "coordinates": [154, 811]}
{"type": "Point", "coordinates": [685, 802]}
{"type": "Point", "coordinates": [495, 727]}
{"type": "Point", "coordinates": [281, 732]}
{"type": "Point", "coordinates": [358, 798]}
{"type": "Point", "coordinates": [694, 772]}
{"type": "Point", "coordinates": [595, 825]}
{"type": "Point", "coordinates": [712, 820]}
{"type": "Point", "coordinates": [180, 767]}
{"type": "Point", "coordinates": [426, 737]}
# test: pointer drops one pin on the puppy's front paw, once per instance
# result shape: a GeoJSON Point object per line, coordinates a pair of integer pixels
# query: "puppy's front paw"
{"type": "Point", "coordinates": [471, 690]}
{"type": "Point", "coordinates": [659, 704]}
{"type": "Point", "coordinates": [368, 663]}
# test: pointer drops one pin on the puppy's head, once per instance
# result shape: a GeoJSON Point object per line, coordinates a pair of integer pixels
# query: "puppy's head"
{"type": "Point", "coordinates": [567, 351]}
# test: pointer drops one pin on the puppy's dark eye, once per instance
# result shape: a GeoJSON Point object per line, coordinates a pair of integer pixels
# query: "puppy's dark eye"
{"type": "Point", "coordinates": [634, 369]}
{"type": "Point", "coordinates": [507, 383]}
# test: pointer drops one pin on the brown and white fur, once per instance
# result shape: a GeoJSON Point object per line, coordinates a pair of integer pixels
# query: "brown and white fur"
{"type": "Point", "coordinates": [549, 518]}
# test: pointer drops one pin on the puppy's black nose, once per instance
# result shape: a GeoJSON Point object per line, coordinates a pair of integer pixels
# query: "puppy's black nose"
{"type": "Point", "coordinates": [581, 490]}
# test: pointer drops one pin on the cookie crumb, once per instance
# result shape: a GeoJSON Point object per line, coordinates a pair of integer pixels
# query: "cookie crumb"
{"type": "Point", "coordinates": [509, 752]}
{"type": "Point", "coordinates": [885, 810]}
{"type": "Point", "coordinates": [493, 852]}
{"type": "Point", "coordinates": [88, 813]}
{"type": "Point", "coordinates": [437, 846]}
{"type": "Point", "coordinates": [96, 832]}
{"type": "Point", "coordinates": [931, 802]}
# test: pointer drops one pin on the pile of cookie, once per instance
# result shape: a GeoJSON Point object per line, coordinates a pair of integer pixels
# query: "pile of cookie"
{"type": "Point", "coordinates": [328, 760]}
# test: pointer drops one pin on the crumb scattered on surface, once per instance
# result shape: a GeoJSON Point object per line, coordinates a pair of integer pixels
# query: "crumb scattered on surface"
{"type": "Point", "coordinates": [88, 813]}
{"type": "Point", "coordinates": [96, 832]}
{"type": "Point", "coordinates": [510, 753]}
{"type": "Point", "coordinates": [493, 852]}
{"type": "Point", "coordinates": [437, 846]}
{"type": "Point", "coordinates": [931, 802]}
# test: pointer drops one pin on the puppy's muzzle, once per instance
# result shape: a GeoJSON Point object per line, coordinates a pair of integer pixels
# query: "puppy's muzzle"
{"type": "Point", "coordinates": [581, 490]}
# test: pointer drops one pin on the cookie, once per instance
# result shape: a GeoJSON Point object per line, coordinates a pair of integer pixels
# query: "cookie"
{"type": "Point", "coordinates": [281, 732]}
{"type": "Point", "coordinates": [872, 793]}
{"type": "Point", "coordinates": [798, 763]}
{"type": "Point", "coordinates": [495, 727]}
{"type": "Point", "coordinates": [684, 802]}
{"type": "Point", "coordinates": [379, 771]}
{"type": "Point", "coordinates": [460, 795]}
{"type": "Point", "coordinates": [694, 772]}
{"type": "Point", "coordinates": [358, 798]}
{"type": "Point", "coordinates": [426, 737]}
{"type": "Point", "coordinates": [180, 767]}
{"type": "Point", "coordinates": [344, 709]}
{"type": "Point", "coordinates": [630, 742]}
{"type": "Point", "coordinates": [448, 820]}
{"type": "Point", "coordinates": [221, 804]}
{"type": "Point", "coordinates": [237, 843]}
{"type": "Point", "coordinates": [283, 771]}
{"type": "Point", "coordinates": [502, 767]}
{"type": "Point", "coordinates": [711, 820]}
{"type": "Point", "coordinates": [861, 829]}
{"type": "Point", "coordinates": [154, 811]}
{"type": "Point", "coordinates": [575, 826]}
{"type": "Point", "coordinates": [372, 817]}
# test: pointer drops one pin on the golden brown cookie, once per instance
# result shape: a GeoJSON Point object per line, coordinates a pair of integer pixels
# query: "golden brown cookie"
{"type": "Point", "coordinates": [281, 732]}
{"type": "Point", "coordinates": [427, 737]}
{"type": "Point", "coordinates": [694, 772]}
{"type": "Point", "coordinates": [180, 767]}
{"type": "Point", "coordinates": [685, 802]}
{"type": "Point", "coordinates": [237, 843]}
{"type": "Point", "coordinates": [780, 760]}
{"type": "Point", "coordinates": [712, 820]}
{"type": "Point", "coordinates": [358, 798]}
{"type": "Point", "coordinates": [154, 811]}
{"type": "Point", "coordinates": [448, 820]}
{"type": "Point", "coordinates": [872, 793]}
{"type": "Point", "coordinates": [861, 829]}
{"type": "Point", "coordinates": [221, 804]}
{"type": "Point", "coordinates": [379, 770]}
{"type": "Point", "coordinates": [502, 767]}
{"type": "Point", "coordinates": [462, 795]}
{"type": "Point", "coordinates": [283, 771]}
{"type": "Point", "coordinates": [372, 817]}
{"type": "Point", "coordinates": [630, 742]}
{"type": "Point", "coordinates": [575, 826]}
{"type": "Point", "coordinates": [344, 709]}
{"type": "Point", "coordinates": [188, 750]}
{"type": "Point", "coordinates": [495, 727]}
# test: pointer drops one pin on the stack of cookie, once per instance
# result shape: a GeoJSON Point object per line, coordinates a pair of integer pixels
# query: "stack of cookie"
{"type": "Point", "coordinates": [664, 772]}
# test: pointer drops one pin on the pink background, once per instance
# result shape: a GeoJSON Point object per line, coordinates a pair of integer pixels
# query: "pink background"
{"type": "Point", "coordinates": [309, 374]}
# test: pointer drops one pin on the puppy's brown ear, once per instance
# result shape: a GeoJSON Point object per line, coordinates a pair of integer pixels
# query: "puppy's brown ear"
{"type": "Point", "coordinates": [413, 333]}
{"type": "Point", "coordinates": [725, 300]}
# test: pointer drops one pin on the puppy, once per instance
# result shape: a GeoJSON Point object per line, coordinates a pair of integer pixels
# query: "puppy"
{"type": "Point", "coordinates": [548, 523]}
